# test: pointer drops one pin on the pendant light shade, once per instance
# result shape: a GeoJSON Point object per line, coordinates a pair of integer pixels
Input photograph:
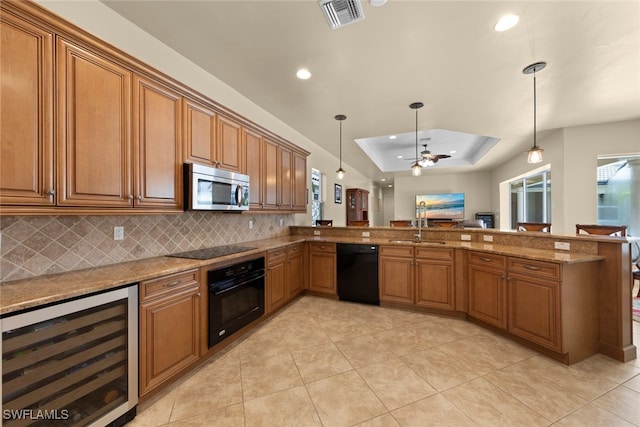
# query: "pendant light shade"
{"type": "Point", "coordinates": [340, 172]}
{"type": "Point", "coordinates": [534, 155]}
{"type": "Point", "coordinates": [416, 168]}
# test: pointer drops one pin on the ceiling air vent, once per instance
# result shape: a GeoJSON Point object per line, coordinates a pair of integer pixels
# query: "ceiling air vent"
{"type": "Point", "coordinates": [341, 12]}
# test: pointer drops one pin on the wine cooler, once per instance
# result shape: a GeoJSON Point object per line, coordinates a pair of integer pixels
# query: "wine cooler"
{"type": "Point", "coordinates": [72, 364]}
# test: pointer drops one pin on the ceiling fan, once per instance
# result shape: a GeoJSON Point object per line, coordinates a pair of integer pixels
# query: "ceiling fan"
{"type": "Point", "coordinates": [426, 158]}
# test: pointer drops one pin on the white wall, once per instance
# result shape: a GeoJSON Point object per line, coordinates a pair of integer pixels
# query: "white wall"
{"type": "Point", "coordinates": [475, 185]}
{"type": "Point", "coordinates": [572, 153]}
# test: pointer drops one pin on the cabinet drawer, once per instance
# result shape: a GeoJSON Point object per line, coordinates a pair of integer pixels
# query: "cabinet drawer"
{"type": "Point", "coordinates": [488, 260]}
{"type": "Point", "coordinates": [400, 251]}
{"type": "Point", "coordinates": [432, 253]}
{"type": "Point", "coordinates": [276, 256]}
{"type": "Point", "coordinates": [322, 247]}
{"type": "Point", "coordinates": [168, 284]}
{"type": "Point", "coordinates": [295, 249]}
{"type": "Point", "coordinates": [534, 268]}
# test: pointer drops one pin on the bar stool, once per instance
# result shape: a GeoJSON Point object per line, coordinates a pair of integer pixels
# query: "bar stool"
{"type": "Point", "coordinates": [400, 223]}
{"type": "Point", "coordinates": [603, 230]}
{"type": "Point", "coordinates": [544, 227]}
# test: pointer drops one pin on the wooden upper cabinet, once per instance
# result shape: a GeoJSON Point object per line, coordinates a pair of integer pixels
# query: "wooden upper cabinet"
{"type": "Point", "coordinates": [230, 145]}
{"type": "Point", "coordinates": [285, 182]}
{"type": "Point", "coordinates": [271, 171]}
{"type": "Point", "coordinates": [157, 115]}
{"type": "Point", "coordinates": [200, 129]}
{"type": "Point", "coordinates": [26, 108]}
{"type": "Point", "coordinates": [299, 182]}
{"type": "Point", "coordinates": [254, 167]}
{"type": "Point", "coordinates": [94, 130]}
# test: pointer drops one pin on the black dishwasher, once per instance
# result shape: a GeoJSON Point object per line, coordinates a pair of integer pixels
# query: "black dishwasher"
{"type": "Point", "coordinates": [357, 272]}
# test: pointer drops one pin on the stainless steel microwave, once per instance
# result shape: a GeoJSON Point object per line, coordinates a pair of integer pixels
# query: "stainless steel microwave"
{"type": "Point", "coordinates": [212, 189]}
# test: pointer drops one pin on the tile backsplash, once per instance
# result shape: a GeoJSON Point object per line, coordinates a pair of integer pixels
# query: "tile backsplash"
{"type": "Point", "coordinates": [33, 246]}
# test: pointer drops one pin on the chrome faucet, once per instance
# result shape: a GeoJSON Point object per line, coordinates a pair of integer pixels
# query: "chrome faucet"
{"type": "Point", "coordinates": [420, 206]}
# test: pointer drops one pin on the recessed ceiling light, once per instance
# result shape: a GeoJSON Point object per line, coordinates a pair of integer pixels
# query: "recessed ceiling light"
{"type": "Point", "coordinates": [392, 137]}
{"type": "Point", "coordinates": [452, 152]}
{"type": "Point", "coordinates": [399, 157]}
{"type": "Point", "coordinates": [303, 74]}
{"type": "Point", "coordinates": [506, 22]}
{"type": "Point", "coordinates": [383, 179]}
{"type": "Point", "coordinates": [390, 186]}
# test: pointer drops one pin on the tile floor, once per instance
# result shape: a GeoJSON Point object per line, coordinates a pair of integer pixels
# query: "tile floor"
{"type": "Point", "coordinates": [321, 362]}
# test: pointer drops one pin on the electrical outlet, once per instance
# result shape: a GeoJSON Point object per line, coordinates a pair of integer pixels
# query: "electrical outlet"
{"type": "Point", "coordinates": [465, 237]}
{"type": "Point", "coordinates": [487, 238]}
{"type": "Point", "coordinates": [281, 222]}
{"type": "Point", "coordinates": [118, 233]}
{"type": "Point", "coordinates": [564, 246]}
{"type": "Point", "coordinates": [316, 232]}
{"type": "Point", "coordinates": [366, 234]}
{"type": "Point", "coordinates": [250, 224]}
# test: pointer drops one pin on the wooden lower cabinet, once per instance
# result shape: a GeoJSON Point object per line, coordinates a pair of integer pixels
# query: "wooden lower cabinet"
{"type": "Point", "coordinates": [534, 310]}
{"type": "Point", "coordinates": [552, 305]}
{"type": "Point", "coordinates": [169, 328]}
{"type": "Point", "coordinates": [276, 294]}
{"type": "Point", "coordinates": [284, 276]}
{"type": "Point", "coordinates": [322, 268]}
{"type": "Point", "coordinates": [435, 278]}
{"type": "Point", "coordinates": [295, 270]}
{"type": "Point", "coordinates": [487, 289]}
{"type": "Point", "coordinates": [396, 274]}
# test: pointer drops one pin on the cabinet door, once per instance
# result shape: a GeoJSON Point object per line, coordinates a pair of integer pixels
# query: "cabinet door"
{"type": "Point", "coordinates": [277, 294]}
{"type": "Point", "coordinates": [534, 310]}
{"type": "Point", "coordinates": [169, 337]}
{"type": "Point", "coordinates": [158, 144]}
{"type": "Point", "coordinates": [285, 182]}
{"type": "Point", "coordinates": [254, 168]}
{"type": "Point", "coordinates": [230, 145]}
{"type": "Point", "coordinates": [295, 280]}
{"type": "Point", "coordinates": [200, 132]}
{"type": "Point", "coordinates": [396, 279]}
{"type": "Point", "coordinates": [322, 272]}
{"type": "Point", "coordinates": [271, 160]}
{"type": "Point", "coordinates": [299, 182]}
{"type": "Point", "coordinates": [487, 298]}
{"type": "Point", "coordinates": [26, 84]}
{"type": "Point", "coordinates": [94, 142]}
{"type": "Point", "coordinates": [435, 284]}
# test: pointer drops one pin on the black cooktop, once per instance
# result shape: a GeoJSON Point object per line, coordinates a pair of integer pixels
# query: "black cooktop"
{"type": "Point", "coordinates": [214, 252]}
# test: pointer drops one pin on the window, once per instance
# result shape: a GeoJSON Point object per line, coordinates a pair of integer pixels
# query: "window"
{"type": "Point", "coordinates": [616, 194]}
{"type": "Point", "coordinates": [530, 198]}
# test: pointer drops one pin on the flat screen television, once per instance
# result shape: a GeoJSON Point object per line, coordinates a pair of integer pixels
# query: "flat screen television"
{"type": "Point", "coordinates": [440, 206]}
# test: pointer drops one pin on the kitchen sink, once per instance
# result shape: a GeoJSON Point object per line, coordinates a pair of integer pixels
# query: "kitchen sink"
{"type": "Point", "coordinates": [421, 242]}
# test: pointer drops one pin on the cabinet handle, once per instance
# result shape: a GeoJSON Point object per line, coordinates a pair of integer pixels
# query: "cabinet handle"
{"type": "Point", "coordinates": [502, 277]}
{"type": "Point", "coordinates": [198, 294]}
{"type": "Point", "coordinates": [171, 284]}
{"type": "Point", "coordinates": [531, 267]}
{"type": "Point", "coordinates": [130, 197]}
{"type": "Point", "coordinates": [51, 192]}
{"type": "Point", "coordinates": [485, 259]}
{"type": "Point", "coordinates": [139, 198]}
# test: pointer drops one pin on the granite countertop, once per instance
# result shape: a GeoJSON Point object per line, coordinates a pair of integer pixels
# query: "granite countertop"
{"type": "Point", "coordinates": [517, 251]}
{"type": "Point", "coordinates": [37, 291]}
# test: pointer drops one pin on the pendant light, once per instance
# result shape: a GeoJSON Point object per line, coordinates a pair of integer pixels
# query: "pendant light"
{"type": "Point", "coordinates": [340, 172]}
{"type": "Point", "coordinates": [534, 155]}
{"type": "Point", "coordinates": [416, 168]}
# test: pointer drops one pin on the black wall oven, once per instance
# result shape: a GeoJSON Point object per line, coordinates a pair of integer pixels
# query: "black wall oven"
{"type": "Point", "coordinates": [236, 298]}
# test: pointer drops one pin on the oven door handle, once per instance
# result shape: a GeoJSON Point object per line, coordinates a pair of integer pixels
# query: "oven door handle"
{"type": "Point", "coordinates": [236, 285]}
